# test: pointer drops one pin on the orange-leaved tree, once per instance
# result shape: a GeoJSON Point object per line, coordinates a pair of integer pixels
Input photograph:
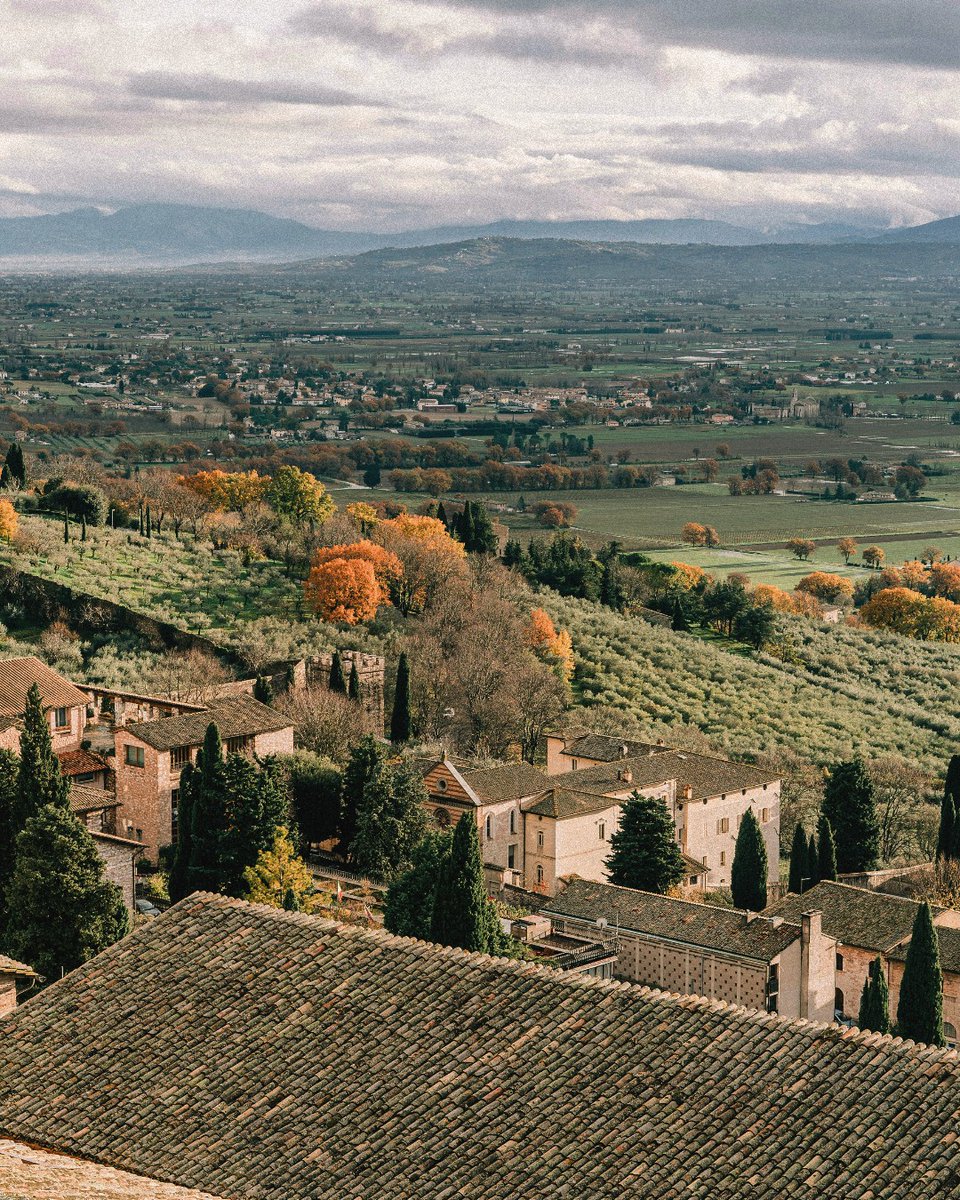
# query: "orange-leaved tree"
{"type": "Point", "coordinates": [8, 521]}
{"type": "Point", "coordinates": [552, 646]}
{"type": "Point", "coordinates": [832, 589]}
{"type": "Point", "coordinates": [945, 580]}
{"type": "Point", "coordinates": [227, 491]}
{"type": "Point", "coordinates": [350, 582]}
{"type": "Point", "coordinates": [898, 609]}
{"type": "Point", "coordinates": [429, 555]}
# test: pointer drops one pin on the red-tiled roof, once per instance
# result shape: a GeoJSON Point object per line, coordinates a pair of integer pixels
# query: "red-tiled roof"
{"type": "Point", "coordinates": [80, 762]}
{"type": "Point", "coordinates": [17, 676]}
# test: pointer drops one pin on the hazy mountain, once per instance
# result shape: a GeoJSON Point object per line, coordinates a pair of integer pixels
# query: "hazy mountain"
{"type": "Point", "coordinates": [946, 230]}
{"type": "Point", "coordinates": [171, 234]}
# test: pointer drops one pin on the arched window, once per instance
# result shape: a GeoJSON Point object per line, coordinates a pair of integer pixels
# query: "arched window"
{"type": "Point", "coordinates": [539, 873]}
{"type": "Point", "coordinates": [950, 1033]}
{"type": "Point", "coordinates": [442, 818]}
{"type": "Point", "coordinates": [838, 1005]}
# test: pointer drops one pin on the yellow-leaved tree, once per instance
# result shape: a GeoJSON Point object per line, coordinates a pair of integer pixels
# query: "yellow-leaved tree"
{"type": "Point", "coordinates": [280, 877]}
{"type": "Point", "coordinates": [8, 521]}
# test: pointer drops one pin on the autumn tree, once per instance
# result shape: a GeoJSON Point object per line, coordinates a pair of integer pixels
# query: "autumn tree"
{"type": "Point", "coordinates": [279, 877]}
{"type": "Point", "coordinates": [227, 491]}
{"type": "Point", "coordinates": [873, 556]}
{"type": "Point", "coordinates": [694, 534]}
{"type": "Point", "coordinates": [344, 590]}
{"type": "Point", "coordinates": [298, 496]}
{"type": "Point", "coordinates": [8, 521]}
{"type": "Point", "coordinates": [552, 646]}
{"type": "Point", "coordinates": [832, 589]}
{"type": "Point", "coordinates": [848, 548]}
{"type": "Point", "coordinates": [801, 548]}
{"type": "Point", "coordinates": [429, 556]}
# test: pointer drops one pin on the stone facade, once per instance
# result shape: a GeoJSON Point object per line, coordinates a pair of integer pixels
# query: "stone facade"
{"type": "Point", "coordinates": [15, 978]}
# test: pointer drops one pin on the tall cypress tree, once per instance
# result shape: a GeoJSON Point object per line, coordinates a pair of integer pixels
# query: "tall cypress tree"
{"type": "Point", "coordinates": [920, 1010]}
{"type": "Point", "coordinates": [798, 862]}
{"type": "Point", "coordinates": [62, 910]}
{"type": "Point", "coordinates": [748, 876]}
{"type": "Point", "coordinates": [208, 816]}
{"type": "Point", "coordinates": [643, 852]}
{"type": "Point", "coordinates": [353, 687]}
{"type": "Point", "coordinates": [14, 468]}
{"type": "Point", "coordinates": [813, 862]}
{"type": "Point", "coordinates": [945, 834]}
{"type": "Point", "coordinates": [483, 534]}
{"type": "Point", "coordinates": [679, 622]}
{"type": "Point", "coordinates": [462, 914]}
{"type": "Point", "coordinates": [39, 779]}
{"type": "Point", "coordinates": [338, 681]}
{"type": "Point", "coordinates": [8, 795]}
{"type": "Point", "coordinates": [849, 805]}
{"type": "Point", "coordinates": [951, 786]}
{"type": "Point", "coordinates": [178, 885]}
{"type": "Point", "coordinates": [400, 720]}
{"type": "Point", "coordinates": [875, 1000]}
{"type": "Point", "coordinates": [827, 856]}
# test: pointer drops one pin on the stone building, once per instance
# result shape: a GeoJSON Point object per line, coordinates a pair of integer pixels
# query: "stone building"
{"type": "Point", "coordinates": [149, 757]}
{"type": "Point", "coordinates": [866, 924]}
{"type": "Point", "coordinates": [16, 978]}
{"type": "Point", "coordinates": [680, 946]}
{"type": "Point", "coordinates": [66, 704]}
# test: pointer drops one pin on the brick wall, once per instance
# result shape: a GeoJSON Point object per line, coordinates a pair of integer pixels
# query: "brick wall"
{"type": "Point", "coordinates": [120, 862]}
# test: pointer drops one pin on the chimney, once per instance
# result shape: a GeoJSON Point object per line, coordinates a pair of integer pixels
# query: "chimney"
{"type": "Point", "coordinates": [688, 792]}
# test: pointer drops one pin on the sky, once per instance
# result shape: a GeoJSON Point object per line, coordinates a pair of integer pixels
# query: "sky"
{"type": "Point", "coordinates": [386, 115]}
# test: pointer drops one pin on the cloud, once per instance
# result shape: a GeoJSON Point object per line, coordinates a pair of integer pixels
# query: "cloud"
{"type": "Point", "coordinates": [171, 85]}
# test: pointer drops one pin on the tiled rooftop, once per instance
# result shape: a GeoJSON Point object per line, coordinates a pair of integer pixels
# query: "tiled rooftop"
{"type": "Point", "coordinates": [17, 676]}
{"type": "Point", "coordinates": [510, 781]}
{"type": "Point", "coordinates": [241, 716]}
{"type": "Point", "coordinates": [706, 775]}
{"type": "Point", "coordinates": [261, 1054]}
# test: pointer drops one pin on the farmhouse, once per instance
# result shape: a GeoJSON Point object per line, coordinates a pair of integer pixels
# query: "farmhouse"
{"type": "Point", "coordinates": [66, 704]}
{"type": "Point", "coordinates": [272, 1053]}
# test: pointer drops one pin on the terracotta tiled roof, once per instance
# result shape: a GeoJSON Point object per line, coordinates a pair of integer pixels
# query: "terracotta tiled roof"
{"type": "Point", "coordinates": [949, 940]}
{"type": "Point", "coordinates": [80, 762]}
{"type": "Point", "coordinates": [566, 802]}
{"type": "Point", "coordinates": [706, 775]}
{"type": "Point", "coordinates": [10, 966]}
{"type": "Point", "coordinates": [27, 1173]}
{"type": "Point", "coordinates": [277, 1055]}
{"type": "Point", "coordinates": [510, 781]}
{"type": "Point", "coordinates": [84, 797]}
{"type": "Point", "coordinates": [17, 676]}
{"type": "Point", "coordinates": [705, 925]}
{"type": "Point", "coordinates": [603, 748]}
{"type": "Point", "coordinates": [240, 717]}
{"type": "Point", "coordinates": [871, 920]}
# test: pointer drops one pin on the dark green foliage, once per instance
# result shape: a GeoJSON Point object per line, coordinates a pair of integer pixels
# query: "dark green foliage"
{"type": "Point", "coordinates": [920, 1010]}
{"type": "Point", "coordinates": [390, 821]}
{"type": "Point", "coordinates": [797, 882]}
{"type": "Point", "coordinates": [643, 852]}
{"type": "Point", "coordinates": [849, 805]}
{"type": "Point", "coordinates": [76, 500]}
{"type": "Point", "coordinates": [875, 1000]}
{"type": "Point", "coordinates": [372, 474]}
{"type": "Point", "coordinates": [183, 847]}
{"type": "Point", "coordinates": [400, 719]}
{"type": "Point", "coordinates": [207, 803]}
{"type": "Point", "coordinates": [813, 862]}
{"type": "Point", "coordinates": [62, 911]}
{"type": "Point", "coordinates": [748, 876]}
{"type": "Point", "coordinates": [14, 468]}
{"type": "Point", "coordinates": [365, 758]}
{"type": "Point", "coordinates": [755, 626]}
{"type": "Point", "coordinates": [611, 587]}
{"type": "Point", "coordinates": [513, 554]}
{"type": "Point", "coordinates": [951, 786]}
{"type": "Point", "coordinates": [263, 690]}
{"type": "Point", "coordinates": [566, 564]}
{"type": "Point", "coordinates": [945, 833]}
{"type": "Point", "coordinates": [39, 780]}
{"type": "Point", "coordinates": [725, 604]}
{"type": "Point", "coordinates": [474, 528]}
{"type": "Point", "coordinates": [256, 804]}
{"type": "Point", "coordinates": [8, 795]}
{"type": "Point", "coordinates": [290, 901]}
{"type": "Point", "coordinates": [148, 523]}
{"type": "Point", "coordinates": [338, 680]}
{"type": "Point", "coordinates": [315, 791]}
{"type": "Point", "coordinates": [679, 623]}
{"type": "Point", "coordinates": [826, 851]}
{"type": "Point", "coordinates": [462, 914]}
{"type": "Point", "coordinates": [408, 911]}
{"type": "Point", "coordinates": [353, 686]}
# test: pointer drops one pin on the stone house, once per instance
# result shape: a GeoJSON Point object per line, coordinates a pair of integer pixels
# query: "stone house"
{"type": "Point", "coordinates": [866, 924]}
{"type": "Point", "coordinates": [66, 704]}
{"type": "Point", "coordinates": [149, 757]}
{"type": "Point", "coordinates": [15, 978]}
{"type": "Point", "coordinates": [680, 946]}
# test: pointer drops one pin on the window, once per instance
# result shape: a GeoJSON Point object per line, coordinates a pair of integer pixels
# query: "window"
{"type": "Point", "coordinates": [489, 828]}
{"type": "Point", "coordinates": [513, 820]}
{"type": "Point", "coordinates": [133, 756]}
{"type": "Point", "coordinates": [723, 825]}
{"type": "Point", "coordinates": [723, 858]}
{"type": "Point", "coordinates": [539, 873]}
{"type": "Point", "coordinates": [237, 745]}
{"type": "Point", "coordinates": [575, 765]}
{"type": "Point", "coordinates": [602, 831]}
{"type": "Point", "coordinates": [442, 818]}
{"type": "Point", "coordinates": [86, 777]}
{"type": "Point", "coordinates": [838, 1005]}
{"type": "Point", "coordinates": [764, 815]}
{"type": "Point", "coordinates": [179, 757]}
{"type": "Point", "coordinates": [441, 785]}
{"type": "Point", "coordinates": [540, 840]}
{"type": "Point", "coordinates": [950, 1034]}
{"type": "Point", "coordinates": [512, 857]}
{"type": "Point", "coordinates": [61, 718]}
{"type": "Point", "coordinates": [839, 961]}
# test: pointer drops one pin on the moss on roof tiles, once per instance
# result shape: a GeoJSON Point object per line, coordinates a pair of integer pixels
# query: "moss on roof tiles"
{"type": "Point", "coordinates": [241, 716]}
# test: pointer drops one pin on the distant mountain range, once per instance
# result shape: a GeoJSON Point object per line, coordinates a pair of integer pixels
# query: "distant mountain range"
{"type": "Point", "coordinates": [177, 234]}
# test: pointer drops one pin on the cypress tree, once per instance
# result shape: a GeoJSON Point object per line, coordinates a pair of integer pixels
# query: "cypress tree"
{"type": "Point", "coordinates": [875, 1000]}
{"type": "Point", "coordinates": [849, 805]}
{"type": "Point", "coordinates": [8, 796]}
{"type": "Point", "coordinates": [643, 852]}
{"type": "Point", "coordinates": [338, 681]}
{"type": "Point", "coordinates": [679, 622]}
{"type": "Point", "coordinates": [390, 821]}
{"type": "Point", "coordinates": [208, 816]}
{"type": "Point", "coordinates": [483, 534]}
{"type": "Point", "coordinates": [748, 876]}
{"type": "Point", "coordinates": [148, 523]}
{"type": "Point", "coordinates": [372, 474]}
{"type": "Point", "coordinates": [39, 780]}
{"type": "Point", "coordinates": [365, 759]}
{"type": "Point", "coordinates": [62, 910]}
{"type": "Point", "coordinates": [400, 722]}
{"type": "Point", "coordinates": [182, 850]}
{"type": "Point", "coordinates": [353, 687]}
{"type": "Point", "coordinates": [813, 862]}
{"type": "Point", "coordinates": [827, 857]}
{"type": "Point", "coordinates": [945, 834]}
{"type": "Point", "coordinates": [442, 516]}
{"type": "Point", "coordinates": [920, 1010]}
{"type": "Point", "coordinates": [263, 690]}
{"type": "Point", "coordinates": [66, 529]}
{"type": "Point", "coordinates": [462, 914]}
{"type": "Point", "coordinates": [798, 861]}
{"type": "Point", "coordinates": [951, 786]}
{"type": "Point", "coordinates": [14, 466]}
{"type": "Point", "coordinates": [513, 554]}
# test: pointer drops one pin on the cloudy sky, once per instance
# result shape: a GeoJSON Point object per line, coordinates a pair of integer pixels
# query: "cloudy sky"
{"type": "Point", "coordinates": [397, 114]}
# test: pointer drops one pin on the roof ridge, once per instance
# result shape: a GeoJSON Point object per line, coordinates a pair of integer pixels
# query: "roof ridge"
{"type": "Point", "coordinates": [509, 966]}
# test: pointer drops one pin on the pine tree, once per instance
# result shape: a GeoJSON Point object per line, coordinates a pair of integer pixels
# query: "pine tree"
{"type": "Point", "coordinates": [178, 885]}
{"type": "Point", "coordinates": [353, 687]}
{"type": "Point", "coordinates": [390, 821]}
{"type": "Point", "coordinates": [920, 1010]}
{"type": "Point", "coordinates": [338, 681]}
{"type": "Point", "coordinates": [827, 856]}
{"type": "Point", "coordinates": [462, 914]}
{"type": "Point", "coordinates": [945, 834]}
{"type": "Point", "coordinates": [208, 816]}
{"type": "Point", "coordinates": [484, 537]}
{"type": "Point", "coordinates": [643, 852]}
{"type": "Point", "coordinates": [263, 690]}
{"type": "Point", "coordinates": [513, 554]}
{"type": "Point", "coordinates": [875, 1000]}
{"type": "Point", "coordinates": [14, 467]}
{"type": "Point", "coordinates": [408, 911]}
{"type": "Point", "coordinates": [372, 474]}
{"type": "Point", "coordinates": [849, 805]}
{"type": "Point", "coordinates": [62, 910]}
{"type": "Point", "coordinates": [39, 779]}
{"type": "Point", "coordinates": [798, 861]}
{"type": "Point", "coordinates": [748, 876]}
{"type": "Point", "coordinates": [679, 622]}
{"type": "Point", "coordinates": [8, 796]}
{"type": "Point", "coordinates": [400, 720]}
{"type": "Point", "coordinates": [813, 862]}
{"type": "Point", "coordinates": [442, 516]}
{"type": "Point", "coordinates": [365, 759]}
{"type": "Point", "coordinates": [256, 804]}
